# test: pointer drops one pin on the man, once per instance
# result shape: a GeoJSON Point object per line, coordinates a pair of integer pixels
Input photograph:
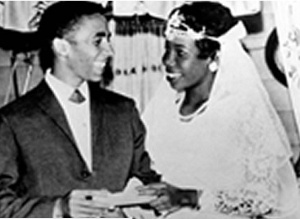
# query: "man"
{"type": "Point", "coordinates": [67, 145]}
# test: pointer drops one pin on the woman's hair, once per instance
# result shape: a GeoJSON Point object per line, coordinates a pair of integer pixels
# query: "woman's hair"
{"type": "Point", "coordinates": [60, 19]}
{"type": "Point", "coordinates": [212, 17]}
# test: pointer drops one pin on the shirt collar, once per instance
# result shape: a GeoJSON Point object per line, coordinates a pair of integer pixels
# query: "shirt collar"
{"type": "Point", "coordinates": [62, 90]}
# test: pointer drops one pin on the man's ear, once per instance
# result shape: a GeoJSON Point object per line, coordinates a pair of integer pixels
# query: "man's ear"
{"type": "Point", "coordinates": [61, 47]}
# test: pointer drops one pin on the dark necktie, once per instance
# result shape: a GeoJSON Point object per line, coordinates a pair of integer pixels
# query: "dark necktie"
{"type": "Point", "coordinates": [77, 97]}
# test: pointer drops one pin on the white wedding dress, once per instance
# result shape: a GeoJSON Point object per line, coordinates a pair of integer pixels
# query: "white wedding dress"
{"type": "Point", "coordinates": [235, 150]}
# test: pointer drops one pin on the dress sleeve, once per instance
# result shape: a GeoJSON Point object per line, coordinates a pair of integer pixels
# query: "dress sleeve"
{"type": "Point", "coordinates": [268, 188]}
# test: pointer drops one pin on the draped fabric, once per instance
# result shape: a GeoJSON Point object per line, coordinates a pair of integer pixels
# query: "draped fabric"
{"type": "Point", "coordinates": [20, 71]}
{"type": "Point", "coordinates": [161, 9]}
{"type": "Point", "coordinates": [235, 150]}
{"type": "Point", "coordinates": [17, 14]}
{"type": "Point", "coordinates": [21, 15]}
{"type": "Point", "coordinates": [287, 16]}
{"type": "Point", "coordinates": [242, 8]}
{"type": "Point", "coordinates": [1, 12]}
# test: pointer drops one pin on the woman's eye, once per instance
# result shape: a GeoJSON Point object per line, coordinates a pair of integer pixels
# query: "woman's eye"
{"type": "Point", "coordinates": [181, 53]}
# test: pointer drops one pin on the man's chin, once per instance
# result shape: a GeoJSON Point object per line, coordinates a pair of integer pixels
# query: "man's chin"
{"type": "Point", "coordinates": [96, 78]}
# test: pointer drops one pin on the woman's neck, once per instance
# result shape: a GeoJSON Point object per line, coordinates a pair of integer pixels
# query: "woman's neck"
{"type": "Point", "coordinates": [195, 97]}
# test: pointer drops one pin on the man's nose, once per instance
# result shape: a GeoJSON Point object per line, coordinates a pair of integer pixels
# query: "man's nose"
{"type": "Point", "coordinates": [108, 49]}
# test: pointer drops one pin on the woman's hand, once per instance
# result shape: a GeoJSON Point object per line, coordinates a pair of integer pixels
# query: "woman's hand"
{"type": "Point", "coordinates": [164, 194]}
{"type": "Point", "coordinates": [169, 198]}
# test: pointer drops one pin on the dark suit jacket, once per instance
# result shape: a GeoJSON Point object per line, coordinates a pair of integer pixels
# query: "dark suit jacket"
{"type": "Point", "coordinates": [39, 160]}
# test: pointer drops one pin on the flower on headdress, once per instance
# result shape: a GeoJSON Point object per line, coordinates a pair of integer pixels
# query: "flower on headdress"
{"type": "Point", "coordinates": [175, 20]}
{"type": "Point", "coordinates": [173, 29]}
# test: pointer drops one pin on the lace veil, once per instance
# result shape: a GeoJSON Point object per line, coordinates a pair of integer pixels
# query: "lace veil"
{"type": "Point", "coordinates": [262, 134]}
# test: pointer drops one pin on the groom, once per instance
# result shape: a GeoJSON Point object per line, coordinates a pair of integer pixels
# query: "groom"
{"type": "Point", "coordinates": [68, 144]}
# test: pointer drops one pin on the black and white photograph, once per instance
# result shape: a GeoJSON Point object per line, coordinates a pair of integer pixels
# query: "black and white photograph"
{"type": "Point", "coordinates": [150, 109]}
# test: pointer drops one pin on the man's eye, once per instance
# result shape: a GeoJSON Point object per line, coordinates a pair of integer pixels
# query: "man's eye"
{"type": "Point", "coordinates": [109, 38]}
{"type": "Point", "coordinates": [97, 42]}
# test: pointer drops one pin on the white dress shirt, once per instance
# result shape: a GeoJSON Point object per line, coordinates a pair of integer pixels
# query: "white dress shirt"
{"type": "Point", "coordinates": [77, 114]}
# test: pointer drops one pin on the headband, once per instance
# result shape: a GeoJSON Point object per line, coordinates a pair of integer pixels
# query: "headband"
{"type": "Point", "coordinates": [176, 28]}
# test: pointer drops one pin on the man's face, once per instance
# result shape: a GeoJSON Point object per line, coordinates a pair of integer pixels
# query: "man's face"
{"type": "Point", "coordinates": [90, 49]}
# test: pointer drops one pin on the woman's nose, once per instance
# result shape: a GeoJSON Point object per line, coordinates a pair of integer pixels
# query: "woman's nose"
{"type": "Point", "coordinates": [167, 60]}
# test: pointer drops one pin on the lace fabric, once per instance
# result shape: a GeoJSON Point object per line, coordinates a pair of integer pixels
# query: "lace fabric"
{"type": "Point", "coordinates": [263, 150]}
{"type": "Point", "coordinates": [258, 194]}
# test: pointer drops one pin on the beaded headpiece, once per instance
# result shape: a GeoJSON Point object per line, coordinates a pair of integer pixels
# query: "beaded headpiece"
{"type": "Point", "coordinates": [177, 28]}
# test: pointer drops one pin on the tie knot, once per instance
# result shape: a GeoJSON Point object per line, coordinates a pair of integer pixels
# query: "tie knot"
{"type": "Point", "coordinates": [77, 97]}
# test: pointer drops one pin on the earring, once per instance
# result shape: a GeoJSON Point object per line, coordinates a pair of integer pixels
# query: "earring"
{"type": "Point", "coordinates": [213, 67]}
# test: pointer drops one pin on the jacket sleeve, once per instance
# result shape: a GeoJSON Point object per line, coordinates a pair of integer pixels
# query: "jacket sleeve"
{"type": "Point", "coordinates": [14, 202]}
{"type": "Point", "coordinates": [141, 161]}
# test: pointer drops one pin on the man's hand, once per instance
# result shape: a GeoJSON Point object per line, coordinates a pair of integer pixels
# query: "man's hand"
{"type": "Point", "coordinates": [169, 197]}
{"type": "Point", "coordinates": [89, 204]}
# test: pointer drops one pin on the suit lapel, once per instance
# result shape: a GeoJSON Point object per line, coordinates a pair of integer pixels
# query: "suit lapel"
{"type": "Point", "coordinates": [97, 126]}
{"type": "Point", "coordinates": [49, 104]}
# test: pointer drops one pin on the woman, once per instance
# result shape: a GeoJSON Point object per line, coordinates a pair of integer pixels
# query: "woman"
{"type": "Point", "coordinates": [217, 134]}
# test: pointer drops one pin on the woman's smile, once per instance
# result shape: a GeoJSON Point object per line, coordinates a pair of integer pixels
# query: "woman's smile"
{"type": "Point", "coordinates": [173, 77]}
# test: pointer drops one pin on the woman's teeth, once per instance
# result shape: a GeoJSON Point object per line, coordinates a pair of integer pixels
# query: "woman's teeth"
{"type": "Point", "coordinates": [173, 75]}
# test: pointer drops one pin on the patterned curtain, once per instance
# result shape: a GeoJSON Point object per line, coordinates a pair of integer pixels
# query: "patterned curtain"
{"type": "Point", "coordinates": [138, 44]}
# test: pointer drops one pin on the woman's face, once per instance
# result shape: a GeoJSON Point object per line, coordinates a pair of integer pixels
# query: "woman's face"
{"type": "Point", "coordinates": [184, 69]}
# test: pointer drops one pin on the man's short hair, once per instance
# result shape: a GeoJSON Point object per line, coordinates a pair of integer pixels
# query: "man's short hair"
{"type": "Point", "coordinates": [59, 19]}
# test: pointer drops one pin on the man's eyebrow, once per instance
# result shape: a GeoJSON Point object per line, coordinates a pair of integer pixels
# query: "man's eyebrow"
{"type": "Point", "coordinates": [103, 34]}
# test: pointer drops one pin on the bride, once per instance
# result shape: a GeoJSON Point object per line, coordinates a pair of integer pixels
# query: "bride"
{"type": "Point", "coordinates": [215, 136]}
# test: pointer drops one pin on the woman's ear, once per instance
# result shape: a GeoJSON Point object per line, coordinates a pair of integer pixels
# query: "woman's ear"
{"type": "Point", "coordinates": [61, 47]}
{"type": "Point", "coordinates": [213, 66]}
